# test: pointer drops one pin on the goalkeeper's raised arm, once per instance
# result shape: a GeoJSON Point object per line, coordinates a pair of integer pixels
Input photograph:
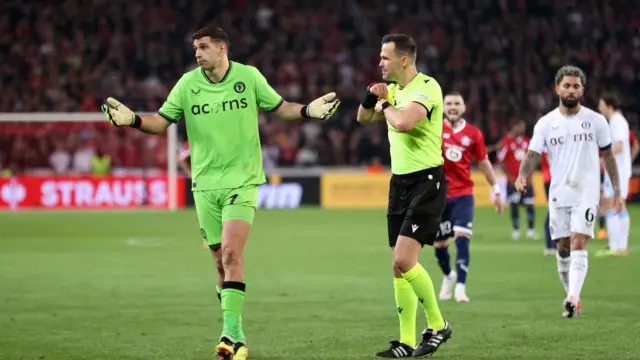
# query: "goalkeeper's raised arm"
{"type": "Point", "coordinates": [221, 88]}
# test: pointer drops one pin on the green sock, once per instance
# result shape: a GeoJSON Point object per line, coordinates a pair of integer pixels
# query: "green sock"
{"type": "Point", "coordinates": [407, 303]}
{"type": "Point", "coordinates": [423, 287]}
{"type": "Point", "coordinates": [219, 292]}
{"type": "Point", "coordinates": [232, 295]}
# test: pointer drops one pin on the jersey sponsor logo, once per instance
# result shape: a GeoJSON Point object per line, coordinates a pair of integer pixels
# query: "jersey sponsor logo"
{"type": "Point", "coordinates": [223, 106]}
{"type": "Point", "coordinates": [519, 154]}
{"type": "Point", "coordinates": [581, 137]}
{"type": "Point", "coordinates": [239, 87]}
{"type": "Point", "coordinates": [586, 125]}
{"type": "Point", "coordinates": [279, 196]}
{"type": "Point", "coordinates": [454, 153]}
{"type": "Point", "coordinates": [557, 141]}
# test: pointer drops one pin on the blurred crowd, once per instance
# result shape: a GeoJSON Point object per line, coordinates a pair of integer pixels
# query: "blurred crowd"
{"type": "Point", "coordinates": [67, 56]}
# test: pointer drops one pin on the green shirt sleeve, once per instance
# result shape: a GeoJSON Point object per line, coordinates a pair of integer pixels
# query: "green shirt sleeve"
{"type": "Point", "coordinates": [428, 94]}
{"type": "Point", "coordinates": [268, 98]}
{"type": "Point", "coordinates": [172, 109]}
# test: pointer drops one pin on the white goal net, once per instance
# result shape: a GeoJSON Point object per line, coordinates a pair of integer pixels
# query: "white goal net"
{"type": "Point", "coordinates": [79, 161]}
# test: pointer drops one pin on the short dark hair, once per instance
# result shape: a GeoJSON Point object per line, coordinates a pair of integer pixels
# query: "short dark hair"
{"type": "Point", "coordinates": [214, 32]}
{"type": "Point", "coordinates": [570, 70]}
{"type": "Point", "coordinates": [611, 99]}
{"type": "Point", "coordinates": [404, 44]}
{"type": "Point", "coordinates": [454, 93]}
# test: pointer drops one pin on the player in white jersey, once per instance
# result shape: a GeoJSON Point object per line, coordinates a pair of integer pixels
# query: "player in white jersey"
{"type": "Point", "coordinates": [617, 224]}
{"type": "Point", "coordinates": [573, 136]}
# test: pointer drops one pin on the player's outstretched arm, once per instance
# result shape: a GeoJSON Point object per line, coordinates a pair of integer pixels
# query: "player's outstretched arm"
{"type": "Point", "coordinates": [119, 115]}
{"type": "Point", "coordinates": [321, 108]}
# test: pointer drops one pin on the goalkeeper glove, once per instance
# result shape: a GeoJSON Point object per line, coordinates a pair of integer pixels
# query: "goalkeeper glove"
{"type": "Point", "coordinates": [321, 108]}
{"type": "Point", "coordinates": [120, 115]}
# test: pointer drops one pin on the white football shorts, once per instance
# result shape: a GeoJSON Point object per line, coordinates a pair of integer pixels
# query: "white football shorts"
{"type": "Point", "coordinates": [572, 219]}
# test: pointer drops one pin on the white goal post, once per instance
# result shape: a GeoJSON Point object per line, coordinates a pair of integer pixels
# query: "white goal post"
{"type": "Point", "coordinates": [50, 117]}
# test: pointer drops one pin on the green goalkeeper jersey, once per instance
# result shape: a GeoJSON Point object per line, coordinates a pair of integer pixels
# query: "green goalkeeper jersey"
{"type": "Point", "coordinates": [420, 148]}
{"type": "Point", "coordinates": [222, 124]}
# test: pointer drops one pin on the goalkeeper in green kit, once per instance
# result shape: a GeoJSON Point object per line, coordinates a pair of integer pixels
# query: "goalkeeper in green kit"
{"type": "Point", "coordinates": [219, 102]}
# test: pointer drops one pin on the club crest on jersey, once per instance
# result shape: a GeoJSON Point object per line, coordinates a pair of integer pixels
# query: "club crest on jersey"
{"type": "Point", "coordinates": [196, 92]}
{"type": "Point", "coordinates": [454, 153]}
{"type": "Point", "coordinates": [586, 125]}
{"type": "Point", "coordinates": [239, 87]}
{"type": "Point", "coordinates": [465, 141]}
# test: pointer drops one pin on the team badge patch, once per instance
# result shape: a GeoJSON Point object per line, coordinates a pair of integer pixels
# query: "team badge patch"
{"type": "Point", "coordinates": [239, 87]}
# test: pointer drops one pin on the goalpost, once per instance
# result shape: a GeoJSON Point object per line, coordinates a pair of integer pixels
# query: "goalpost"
{"type": "Point", "coordinates": [41, 118]}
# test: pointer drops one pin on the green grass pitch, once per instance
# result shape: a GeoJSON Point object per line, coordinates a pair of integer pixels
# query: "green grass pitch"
{"type": "Point", "coordinates": [138, 285]}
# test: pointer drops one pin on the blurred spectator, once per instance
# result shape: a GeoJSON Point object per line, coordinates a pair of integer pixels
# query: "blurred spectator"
{"type": "Point", "coordinates": [502, 55]}
{"type": "Point", "coordinates": [60, 159]}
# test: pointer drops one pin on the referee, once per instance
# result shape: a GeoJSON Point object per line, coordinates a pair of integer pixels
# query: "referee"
{"type": "Point", "coordinates": [412, 106]}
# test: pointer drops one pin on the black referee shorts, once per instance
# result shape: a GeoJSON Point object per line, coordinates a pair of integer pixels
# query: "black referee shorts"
{"type": "Point", "coordinates": [416, 203]}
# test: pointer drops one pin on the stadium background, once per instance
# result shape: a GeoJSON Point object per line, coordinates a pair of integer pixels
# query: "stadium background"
{"type": "Point", "coordinates": [502, 56]}
{"type": "Point", "coordinates": [75, 289]}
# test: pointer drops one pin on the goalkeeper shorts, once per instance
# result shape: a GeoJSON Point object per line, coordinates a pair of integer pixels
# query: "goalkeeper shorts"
{"type": "Point", "coordinates": [215, 207]}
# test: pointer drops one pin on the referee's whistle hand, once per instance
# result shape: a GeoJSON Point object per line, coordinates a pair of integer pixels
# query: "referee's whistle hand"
{"type": "Point", "coordinates": [380, 90]}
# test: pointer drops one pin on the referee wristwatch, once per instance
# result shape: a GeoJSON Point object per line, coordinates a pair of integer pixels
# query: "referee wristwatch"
{"type": "Point", "coordinates": [385, 105]}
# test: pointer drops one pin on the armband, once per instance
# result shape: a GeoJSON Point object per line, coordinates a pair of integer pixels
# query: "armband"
{"type": "Point", "coordinates": [369, 101]}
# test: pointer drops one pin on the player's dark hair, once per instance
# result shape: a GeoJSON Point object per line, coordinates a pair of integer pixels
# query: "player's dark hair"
{"type": "Point", "coordinates": [454, 93]}
{"type": "Point", "coordinates": [214, 32]}
{"type": "Point", "coordinates": [611, 99]}
{"type": "Point", "coordinates": [570, 70]}
{"type": "Point", "coordinates": [405, 44]}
